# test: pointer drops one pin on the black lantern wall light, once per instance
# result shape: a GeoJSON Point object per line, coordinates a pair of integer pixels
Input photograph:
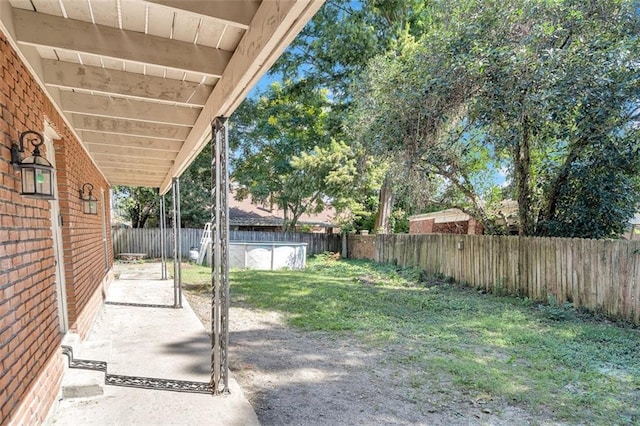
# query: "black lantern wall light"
{"type": "Point", "coordinates": [89, 202]}
{"type": "Point", "coordinates": [36, 171]}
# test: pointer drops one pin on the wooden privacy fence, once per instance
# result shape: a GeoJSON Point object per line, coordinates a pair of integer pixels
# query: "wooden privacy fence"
{"type": "Point", "coordinates": [147, 240]}
{"type": "Point", "coordinates": [599, 275]}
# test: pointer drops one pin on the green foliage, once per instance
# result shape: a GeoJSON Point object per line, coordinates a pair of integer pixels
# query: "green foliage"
{"type": "Point", "coordinates": [557, 312]}
{"type": "Point", "coordinates": [461, 342]}
{"type": "Point", "coordinates": [331, 53]}
{"type": "Point", "coordinates": [138, 204]}
{"type": "Point", "coordinates": [284, 153]}
{"type": "Point", "coordinates": [334, 48]}
{"type": "Point", "coordinates": [195, 191]}
{"type": "Point", "coordinates": [543, 89]}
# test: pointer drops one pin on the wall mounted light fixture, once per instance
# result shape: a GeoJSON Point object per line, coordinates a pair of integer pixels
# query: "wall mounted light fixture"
{"type": "Point", "coordinates": [36, 171]}
{"type": "Point", "coordinates": [89, 202]}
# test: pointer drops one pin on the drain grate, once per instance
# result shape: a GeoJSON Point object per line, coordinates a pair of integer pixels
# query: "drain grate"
{"type": "Point", "coordinates": [134, 381]}
{"type": "Point", "coordinates": [158, 384]}
{"type": "Point", "coordinates": [138, 305]}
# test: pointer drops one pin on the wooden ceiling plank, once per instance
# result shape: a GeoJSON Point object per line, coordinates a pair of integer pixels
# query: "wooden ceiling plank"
{"type": "Point", "coordinates": [122, 108]}
{"type": "Point", "coordinates": [46, 6]}
{"type": "Point", "coordinates": [77, 9]}
{"type": "Point", "coordinates": [90, 60]}
{"type": "Point", "coordinates": [105, 12]}
{"type": "Point", "coordinates": [231, 39]}
{"type": "Point", "coordinates": [75, 35]}
{"type": "Point", "coordinates": [130, 152]}
{"type": "Point", "coordinates": [160, 21]}
{"type": "Point", "coordinates": [124, 160]}
{"type": "Point", "coordinates": [133, 15]}
{"type": "Point", "coordinates": [69, 75]}
{"type": "Point", "coordinates": [130, 141]}
{"type": "Point", "coordinates": [124, 127]}
{"type": "Point", "coordinates": [231, 12]}
{"type": "Point", "coordinates": [127, 172]}
{"type": "Point", "coordinates": [185, 27]}
{"type": "Point", "coordinates": [125, 182]}
{"type": "Point", "coordinates": [210, 32]}
{"type": "Point", "coordinates": [119, 168]}
{"type": "Point", "coordinates": [133, 67]}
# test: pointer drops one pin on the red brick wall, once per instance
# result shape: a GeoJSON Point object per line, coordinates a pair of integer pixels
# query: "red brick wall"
{"type": "Point", "coordinates": [428, 226]}
{"type": "Point", "coordinates": [361, 246]}
{"type": "Point", "coordinates": [81, 233]}
{"type": "Point", "coordinates": [422, 226]}
{"type": "Point", "coordinates": [460, 227]}
{"type": "Point", "coordinates": [29, 325]}
{"type": "Point", "coordinates": [38, 402]}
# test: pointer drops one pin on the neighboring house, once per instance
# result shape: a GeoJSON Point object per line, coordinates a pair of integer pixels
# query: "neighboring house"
{"type": "Point", "coordinates": [116, 102]}
{"type": "Point", "coordinates": [246, 216]}
{"type": "Point", "coordinates": [455, 221]}
{"type": "Point", "coordinates": [450, 221]}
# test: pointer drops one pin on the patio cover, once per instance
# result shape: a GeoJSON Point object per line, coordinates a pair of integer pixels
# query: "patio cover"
{"type": "Point", "coordinates": [139, 82]}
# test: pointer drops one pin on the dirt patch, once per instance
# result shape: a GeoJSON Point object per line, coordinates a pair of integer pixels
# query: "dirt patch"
{"type": "Point", "coordinates": [317, 378]}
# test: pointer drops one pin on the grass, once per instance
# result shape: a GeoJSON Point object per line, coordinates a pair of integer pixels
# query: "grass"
{"type": "Point", "coordinates": [549, 361]}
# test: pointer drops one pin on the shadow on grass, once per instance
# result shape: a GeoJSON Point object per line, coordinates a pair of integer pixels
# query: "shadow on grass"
{"type": "Point", "coordinates": [436, 333]}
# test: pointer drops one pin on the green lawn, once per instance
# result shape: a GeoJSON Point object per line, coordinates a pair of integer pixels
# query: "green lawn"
{"type": "Point", "coordinates": [544, 359]}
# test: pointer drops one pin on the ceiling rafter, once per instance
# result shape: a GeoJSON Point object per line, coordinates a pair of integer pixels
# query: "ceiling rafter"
{"type": "Point", "coordinates": [127, 127]}
{"type": "Point", "coordinates": [105, 106]}
{"type": "Point", "coordinates": [128, 141]}
{"type": "Point", "coordinates": [79, 36]}
{"type": "Point", "coordinates": [229, 12]}
{"type": "Point", "coordinates": [68, 75]}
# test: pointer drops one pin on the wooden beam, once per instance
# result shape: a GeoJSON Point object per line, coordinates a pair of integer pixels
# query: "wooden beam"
{"type": "Point", "coordinates": [230, 12]}
{"type": "Point", "coordinates": [130, 152]}
{"type": "Point", "coordinates": [114, 168]}
{"type": "Point", "coordinates": [105, 106]}
{"type": "Point", "coordinates": [126, 160]}
{"type": "Point", "coordinates": [134, 128]}
{"type": "Point", "coordinates": [79, 36]}
{"type": "Point", "coordinates": [147, 174]}
{"type": "Point", "coordinates": [111, 82]}
{"type": "Point", "coordinates": [126, 141]}
{"type": "Point", "coordinates": [274, 26]}
{"type": "Point", "coordinates": [134, 182]}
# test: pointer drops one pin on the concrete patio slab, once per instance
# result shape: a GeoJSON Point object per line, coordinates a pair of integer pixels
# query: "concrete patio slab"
{"type": "Point", "coordinates": [156, 342]}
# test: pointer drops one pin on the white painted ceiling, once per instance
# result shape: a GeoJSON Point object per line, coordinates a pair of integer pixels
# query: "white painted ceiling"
{"type": "Point", "coordinates": [140, 81]}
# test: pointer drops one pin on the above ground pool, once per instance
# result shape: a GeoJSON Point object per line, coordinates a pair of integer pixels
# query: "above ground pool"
{"type": "Point", "coordinates": [267, 255]}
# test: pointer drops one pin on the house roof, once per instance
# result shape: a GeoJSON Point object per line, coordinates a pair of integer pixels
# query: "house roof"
{"type": "Point", "coordinates": [139, 81]}
{"type": "Point", "coordinates": [245, 213]}
{"type": "Point", "coordinates": [443, 216]}
{"type": "Point", "coordinates": [508, 208]}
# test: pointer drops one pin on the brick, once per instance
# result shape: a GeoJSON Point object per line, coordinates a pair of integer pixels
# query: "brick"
{"type": "Point", "coordinates": [29, 332]}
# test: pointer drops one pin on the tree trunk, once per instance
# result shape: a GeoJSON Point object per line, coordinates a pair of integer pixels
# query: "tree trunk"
{"type": "Point", "coordinates": [385, 207]}
{"type": "Point", "coordinates": [522, 163]}
{"type": "Point", "coordinates": [562, 178]}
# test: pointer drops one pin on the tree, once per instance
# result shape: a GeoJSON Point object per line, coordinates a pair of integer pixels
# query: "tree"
{"type": "Point", "coordinates": [320, 177]}
{"type": "Point", "coordinates": [541, 87]}
{"type": "Point", "coordinates": [195, 191]}
{"type": "Point", "coordinates": [284, 155]}
{"type": "Point", "coordinates": [139, 204]}
{"type": "Point", "coordinates": [331, 53]}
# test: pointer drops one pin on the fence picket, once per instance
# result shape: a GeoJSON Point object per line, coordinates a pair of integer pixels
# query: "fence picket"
{"type": "Point", "coordinates": [601, 275]}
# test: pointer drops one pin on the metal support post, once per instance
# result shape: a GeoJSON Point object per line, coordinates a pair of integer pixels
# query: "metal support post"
{"type": "Point", "coordinates": [179, 228]}
{"type": "Point", "coordinates": [163, 239]}
{"type": "Point", "coordinates": [177, 246]}
{"type": "Point", "coordinates": [220, 262]}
